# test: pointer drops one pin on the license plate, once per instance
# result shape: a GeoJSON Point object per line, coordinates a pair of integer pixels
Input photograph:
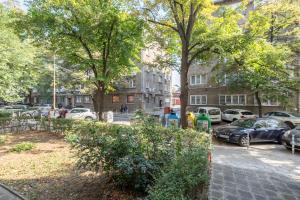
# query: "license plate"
{"type": "Point", "coordinates": [224, 136]}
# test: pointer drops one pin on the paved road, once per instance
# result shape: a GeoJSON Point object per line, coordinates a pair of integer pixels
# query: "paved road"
{"type": "Point", "coordinates": [5, 194]}
{"type": "Point", "coordinates": [265, 171]}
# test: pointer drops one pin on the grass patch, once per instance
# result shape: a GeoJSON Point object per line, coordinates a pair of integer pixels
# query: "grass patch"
{"type": "Point", "coordinates": [2, 139]}
{"type": "Point", "coordinates": [24, 146]}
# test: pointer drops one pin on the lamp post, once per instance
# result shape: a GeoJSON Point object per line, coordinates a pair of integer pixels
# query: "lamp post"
{"type": "Point", "coordinates": [54, 79]}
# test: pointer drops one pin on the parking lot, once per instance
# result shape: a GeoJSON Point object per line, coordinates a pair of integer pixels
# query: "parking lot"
{"type": "Point", "coordinates": [264, 171]}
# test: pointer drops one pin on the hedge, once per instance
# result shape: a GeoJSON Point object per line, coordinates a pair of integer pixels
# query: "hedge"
{"type": "Point", "coordinates": [165, 163]}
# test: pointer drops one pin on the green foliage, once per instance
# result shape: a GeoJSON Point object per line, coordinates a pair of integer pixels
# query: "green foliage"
{"type": "Point", "coordinates": [261, 53]}
{"type": "Point", "coordinates": [62, 125]}
{"type": "Point", "coordinates": [18, 60]}
{"type": "Point", "coordinates": [131, 154]}
{"type": "Point", "coordinates": [93, 36]}
{"type": "Point", "coordinates": [2, 139]}
{"type": "Point", "coordinates": [5, 115]}
{"type": "Point", "coordinates": [180, 178]}
{"type": "Point", "coordinates": [24, 146]}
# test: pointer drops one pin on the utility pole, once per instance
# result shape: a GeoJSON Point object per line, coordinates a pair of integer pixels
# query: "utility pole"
{"type": "Point", "coordinates": [54, 81]}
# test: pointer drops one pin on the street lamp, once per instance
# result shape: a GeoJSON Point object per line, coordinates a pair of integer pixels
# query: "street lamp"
{"type": "Point", "coordinates": [54, 77]}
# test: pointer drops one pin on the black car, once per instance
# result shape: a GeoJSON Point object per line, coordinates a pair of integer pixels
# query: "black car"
{"type": "Point", "coordinates": [287, 138]}
{"type": "Point", "coordinates": [260, 130]}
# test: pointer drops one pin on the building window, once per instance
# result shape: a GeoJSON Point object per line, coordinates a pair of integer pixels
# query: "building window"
{"type": "Point", "coordinates": [115, 98]}
{"type": "Point", "coordinates": [87, 99]}
{"type": "Point", "coordinates": [232, 99]}
{"type": "Point", "coordinates": [147, 84]}
{"type": "Point", "coordinates": [198, 79]}
{"type": "Point", "coordinates": [78, 99]}
{"type": "Point", "coordinates": [222, 100]}
{"type": "Point", "coordinates": [130, 98]}
{"type": "Point", "coordinates": [268, 102]}
{"type": "Point", "coordinates": [198, 99]}
{"type": "Point", "coordinates": [131, 83]}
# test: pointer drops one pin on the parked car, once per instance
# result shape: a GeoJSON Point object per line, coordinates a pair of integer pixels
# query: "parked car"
{"type": "Point", "coordinates": [292, 119]}
{"type": "Point", "coordinates": [287, 138]}
{"type": "Point", "coordinates": [14, 109]}
{"type": "Point", "coordinates": [213, 112]}
{"type": "Point", "coordinates": [44, 110]}
{"type": "Point", "coordinates": [81, 113]}
{"type": "Point", "coordinates": [31, 112]}
{"type": "Point", "coordinates": [259, 129]}
{"type": "Point", "coordinates": [231, 115]}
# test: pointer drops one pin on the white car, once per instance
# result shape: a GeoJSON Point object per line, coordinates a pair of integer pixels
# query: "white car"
{"type": "Point", "coordinates": [231, 115]}
{"type": "Point", "coordinates": [213, 113]}
{"type": "Point", "coordinates": [290, 118]}
{"type": "Point", "coordinates": [81, 113]}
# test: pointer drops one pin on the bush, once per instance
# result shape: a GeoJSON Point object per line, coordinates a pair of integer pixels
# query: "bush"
{"type": "Point", "coordinates": [2, 139]}
{"type": "Point", "coordinates": [62, 125]}
{"type": "Point", "coordinates": [24, 146]}
{"type": "Point", "coordinates": [179, 179]}
{"type": "Point", "coordinates": [5, 115]}
{"type": "Point", "coordinates": [134, 155]}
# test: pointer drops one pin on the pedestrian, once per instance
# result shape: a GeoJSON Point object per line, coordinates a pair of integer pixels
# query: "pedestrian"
{"type": "Point", "coordinates": [122, 108]}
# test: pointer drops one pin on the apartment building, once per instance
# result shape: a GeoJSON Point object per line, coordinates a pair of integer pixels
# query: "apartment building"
{"type": "Point", "coordinates": [206, 88]}
{"type": "Point", "coordinates": [149, 89]}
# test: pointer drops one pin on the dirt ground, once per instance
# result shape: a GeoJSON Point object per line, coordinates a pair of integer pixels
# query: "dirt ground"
{"type": "Point", "coordinates": [48, 171]}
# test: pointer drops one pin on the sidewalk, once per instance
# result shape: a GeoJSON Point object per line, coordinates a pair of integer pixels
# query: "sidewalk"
{"type": "Point", "coordinates": [264, 172]}
{"type": "Point", "coordinates": [6, 194]}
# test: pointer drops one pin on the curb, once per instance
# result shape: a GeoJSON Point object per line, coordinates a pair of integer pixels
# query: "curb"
{"type": "Point", "coordinates": [12, 192]}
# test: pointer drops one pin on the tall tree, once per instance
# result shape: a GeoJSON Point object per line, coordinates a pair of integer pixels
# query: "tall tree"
{"type": "Point", "coordinates": [18, 60]}
{"type": "Point", "coordinates": [259, 63]}
{"type": "Point", "coordinates": [198, 26]}
{"type": "Point", "coordinates": [96, 36]}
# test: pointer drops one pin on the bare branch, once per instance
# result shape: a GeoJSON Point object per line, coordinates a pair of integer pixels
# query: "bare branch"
{"type": "Point", "coordinates": [163, 24]}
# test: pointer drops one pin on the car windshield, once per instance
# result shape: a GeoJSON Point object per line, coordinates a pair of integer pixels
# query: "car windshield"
{"type": "Point", "coordinates": [247, 113]}
{"type": "Point", "coordinates": [214, 112]}
{"type": "Point", "coordinates": [295, 114]}
{"type": "Point", "coordinates": [248, 123]}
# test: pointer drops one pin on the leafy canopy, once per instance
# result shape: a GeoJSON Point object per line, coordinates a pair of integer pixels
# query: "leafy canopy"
{"type": "Point", "coordinates": [96, 37]}
{"type": "Point", "coordinates": [19, 68]}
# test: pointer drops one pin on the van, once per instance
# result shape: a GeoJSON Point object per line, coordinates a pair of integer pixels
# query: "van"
{"type": "Point", "coordinates": [213, 112]}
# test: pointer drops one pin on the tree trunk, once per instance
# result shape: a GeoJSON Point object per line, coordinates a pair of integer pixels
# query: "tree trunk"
{"type": "Point", "coordinates": [259, 104]}
{"type": "Point", "coordinates": [101, 103]}
{"type": "Point", "coordinates": [184, 84]}
{"type": "Point", "coordinates": [98, 101]}
{"type": "Point", "coordinates": [30, 97]}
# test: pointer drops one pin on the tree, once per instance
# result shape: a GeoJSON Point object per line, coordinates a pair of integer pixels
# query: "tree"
{"type": "Point", "coordinates": [19, 63]}
{"type": "Point", "coordinates": [198, 26]}
{"type": "Point", "coordinates": [96, 37]}
{"type": "Point", "coordinates": [260, 68]}
{"type": "Point", "coordinates": [259, 63]}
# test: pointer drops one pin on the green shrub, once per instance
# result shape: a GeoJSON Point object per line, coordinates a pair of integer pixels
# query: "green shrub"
{"type": "Point", "coordinates": [131, 154]}
{"type": "Point", "coordinates": [5, 114]}
{"type": "Point", "coordinates": [2, 139]}
{"type": "Point", "coordinates": [24, 146]}
{"type": "Point", "coordinates": [62, 125]}
{"type": "Point", "coordinates": [179, 179]}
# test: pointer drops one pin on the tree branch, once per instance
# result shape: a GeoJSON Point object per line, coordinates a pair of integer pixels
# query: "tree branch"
{"type": "Point", "coordinates": [163, 24]}
{"type": "Point", "coordinates": [197, 53]}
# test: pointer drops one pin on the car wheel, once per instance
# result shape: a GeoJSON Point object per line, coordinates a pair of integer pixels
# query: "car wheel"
{"type": "Point", "coordinates": [88, 118]}
{"type": "Point", "coordinates": [290, 124]}
{"type": "Point", "coordinates": [243, 141]}
{"type": "Point", "coordinates": [234, 119]}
